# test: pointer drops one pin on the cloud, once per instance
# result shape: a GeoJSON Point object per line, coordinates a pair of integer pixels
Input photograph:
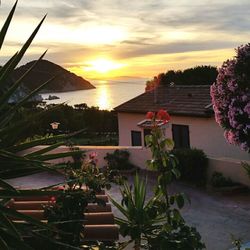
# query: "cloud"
{"type": "Point", "coordinates": [209, 25]}
{"type": "Point", "coordinates": [172, 48]}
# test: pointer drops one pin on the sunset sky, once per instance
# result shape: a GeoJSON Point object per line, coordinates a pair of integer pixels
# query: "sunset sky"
{"type": "Point", "coordinates": [106, 39]}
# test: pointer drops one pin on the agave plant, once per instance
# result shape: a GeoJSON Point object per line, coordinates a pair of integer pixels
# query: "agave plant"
{"type": "Point", "coordinates": [14, 162]}
{"type": "Point", "coordinates": [141, 217]}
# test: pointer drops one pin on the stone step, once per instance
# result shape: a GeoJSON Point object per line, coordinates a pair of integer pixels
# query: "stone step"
{"type": "Point", "coordinates": [47, 198]}
{"type": "Point", "coordinates": [91, 218]}
{"type": "Point", "coordinates": [39, 205]}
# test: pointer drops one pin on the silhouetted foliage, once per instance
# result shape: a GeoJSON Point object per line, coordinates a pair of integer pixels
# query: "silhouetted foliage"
{"type": "Point", "coordinates": [200, 75]}
{"type": "Point", "coordinates": [71, 119]}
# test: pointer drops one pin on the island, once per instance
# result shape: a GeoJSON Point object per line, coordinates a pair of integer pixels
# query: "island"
{"type": "Point", "coordinates": [52, 97]}
{"type": "Point", "coordinates": [45, 70]}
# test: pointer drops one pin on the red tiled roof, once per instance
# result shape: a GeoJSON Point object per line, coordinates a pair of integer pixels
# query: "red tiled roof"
{"type": "Point", "coordinates": [193, 100]}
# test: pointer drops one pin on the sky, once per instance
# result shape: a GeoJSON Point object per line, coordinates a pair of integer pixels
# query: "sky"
{"type": "Point", "coordinates": [109, 39]}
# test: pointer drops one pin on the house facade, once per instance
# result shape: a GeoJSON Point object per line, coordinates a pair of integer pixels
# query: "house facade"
{"type": "Point", "coordinates": [192, 123]}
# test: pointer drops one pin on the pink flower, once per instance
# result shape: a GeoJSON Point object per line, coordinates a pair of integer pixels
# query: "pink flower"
{"type": "Point", "coordinates": [92, 155]}
{"type": "Point", "coordinates": [150, 115]}
{"type": "Point", "coordinates": [230, 98]}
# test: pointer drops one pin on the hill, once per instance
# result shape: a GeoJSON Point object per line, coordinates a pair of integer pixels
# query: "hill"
{"type": "Point", "coordinates": [44, 70]}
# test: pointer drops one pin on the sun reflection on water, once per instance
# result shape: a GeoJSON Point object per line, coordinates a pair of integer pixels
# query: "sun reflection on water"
{"type": "Point", "coordinates": [103, 97]}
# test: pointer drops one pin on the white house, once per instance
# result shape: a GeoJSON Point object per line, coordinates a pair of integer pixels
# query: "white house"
{"type": "Point", "coordinates": [192, 121]}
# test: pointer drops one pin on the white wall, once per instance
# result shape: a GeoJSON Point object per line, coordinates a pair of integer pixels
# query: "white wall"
{"type": "Point", "coordinates": [205, 134]}
{"type": "Point", "coordinates": [139, 155]}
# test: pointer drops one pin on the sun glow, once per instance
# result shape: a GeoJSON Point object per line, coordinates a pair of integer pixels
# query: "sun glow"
{"type": "Point", "coordinates": [102, 65]}
{"type": "Point", "coordinates": [103, 97]}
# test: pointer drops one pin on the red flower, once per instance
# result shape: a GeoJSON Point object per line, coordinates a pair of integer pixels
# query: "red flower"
{"type": "Point", "coordinates": [150, 115]}
{"type": "Point", "coordinates": [163, 115]}
{"type": "Point", "coordinates": [53, 199]}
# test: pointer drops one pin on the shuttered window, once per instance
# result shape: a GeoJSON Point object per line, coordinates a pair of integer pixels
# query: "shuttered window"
{"type": "Point", "coordinates": [135, 138]}
{"type": "Point", "coordinates": [181, 136]}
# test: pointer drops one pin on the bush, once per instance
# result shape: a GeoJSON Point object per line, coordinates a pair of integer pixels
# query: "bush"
{"type": "Point", "coordinates": [218, 180]}
{"type": "Point", "coordinates": [192, 165]}
{"type": "Point", "coordinates": [119, 160]}
{"type": "Point", "coordinates": [231, 98]}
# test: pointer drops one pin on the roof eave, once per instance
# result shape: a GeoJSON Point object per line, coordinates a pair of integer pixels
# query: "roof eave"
{"type": "Point", "coordinates": [192, 114]}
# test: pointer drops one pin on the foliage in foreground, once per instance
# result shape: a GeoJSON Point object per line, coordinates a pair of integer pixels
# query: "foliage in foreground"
{"type": "Point", "coordinates": [157, 224]}
{"type": "Point", "coordinates": [14, 162]}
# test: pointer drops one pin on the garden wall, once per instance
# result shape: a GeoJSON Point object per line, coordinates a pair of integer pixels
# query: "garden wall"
{"type": "Point", "coordinates": [138, 156]}
{"type": "Point", "coordinates": [230, 168]}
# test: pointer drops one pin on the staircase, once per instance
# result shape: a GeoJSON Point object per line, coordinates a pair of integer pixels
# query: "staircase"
{"type": "Point", "coordinates": [99, 224]}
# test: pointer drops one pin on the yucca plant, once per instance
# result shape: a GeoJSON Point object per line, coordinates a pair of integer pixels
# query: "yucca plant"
{"type": "Point", "coordinates": [14, 162]}
{"type": "Point", "coordinates": [140, 217]}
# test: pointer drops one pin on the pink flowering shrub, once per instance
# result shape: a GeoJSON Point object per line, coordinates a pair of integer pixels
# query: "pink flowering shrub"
{"type": "Point", "coordinates": [231, 98]}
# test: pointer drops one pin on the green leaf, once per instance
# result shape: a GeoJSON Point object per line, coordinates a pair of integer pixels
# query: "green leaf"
{"type": "Point", "coordinates": [17, 59]}
{"type": "Point", "coordinates": [176, 172]}
{"type": "Point", "coordinates": [26, 98]}
{"type": "Point", "coordinates": [9, 226]}
{"type": "Point", "coordinates": [6, 25]}
{"type": "Point", "coordinates": [118, 206]}
{"type": "Point", "coordinates": [176, 215]}
{"type": "Point", "coordinates": [13, 242]}
{"type": "Point", "coordinates": [169, 143]}
{"type": "Point", "coordinates": [48, 157]}
{"type": "Point", "coordinates": [13, 88]}
{"type": "Point", "coordinates": [6, 185]}
{"type": "Point", "coordinates": [172, 199]}
{"type": "Point", "coordinates": [180, 201]}
{"type": "Point", "coordinates": [3, 244]}
{"type": "Point", "coordinates": [15, 214]}
{"type": "Point", "coordinates": [148, 140]}
{"type": "Point", "coordinates": [6, 65]}
{"type": "Point", "coordinates": [45, 149]}
{"type": "Point", "coordinates": [42, 141]}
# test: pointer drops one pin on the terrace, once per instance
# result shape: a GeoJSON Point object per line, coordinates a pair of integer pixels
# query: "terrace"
{"type": "Point", "coordinates": [216, 216]}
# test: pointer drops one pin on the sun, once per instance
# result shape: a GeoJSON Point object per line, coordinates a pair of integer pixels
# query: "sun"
{"type": "Point", "coordinates": [102, 65]}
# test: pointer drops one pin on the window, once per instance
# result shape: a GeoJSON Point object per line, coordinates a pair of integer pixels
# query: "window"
{"type": "Point", "coordinates": [136, 138]}
{"type": "Point", "coordinates": [181, 136]}
{"type": "Point", "coordinates": [146, 132]}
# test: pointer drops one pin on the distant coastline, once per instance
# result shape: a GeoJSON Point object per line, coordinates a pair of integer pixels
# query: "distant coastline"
{"type": "Point", "coordinates": [63, 80]}
{"type": "Point", "coordinates": [62, 91]}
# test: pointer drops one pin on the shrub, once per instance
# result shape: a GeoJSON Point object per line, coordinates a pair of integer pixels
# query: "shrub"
{"type": "Point", "coordinates": [231, 98]}
{"type": "Point", "coordinates": [119, 160]}
{"type": "Point", "coordinates": [218, 180]}
{"type": "Point", "coordinates": [192, 164]}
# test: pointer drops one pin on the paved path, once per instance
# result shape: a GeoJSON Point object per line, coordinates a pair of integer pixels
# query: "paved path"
{"type": "Point", "coordinates": [216, 217]}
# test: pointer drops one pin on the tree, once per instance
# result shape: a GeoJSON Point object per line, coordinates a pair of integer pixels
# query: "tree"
{"type": "Point", "coordinates": [200, 75]}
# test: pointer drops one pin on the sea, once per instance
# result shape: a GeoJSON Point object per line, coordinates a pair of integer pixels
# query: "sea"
{"type": "Point", "coordinates": [106, 95]}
